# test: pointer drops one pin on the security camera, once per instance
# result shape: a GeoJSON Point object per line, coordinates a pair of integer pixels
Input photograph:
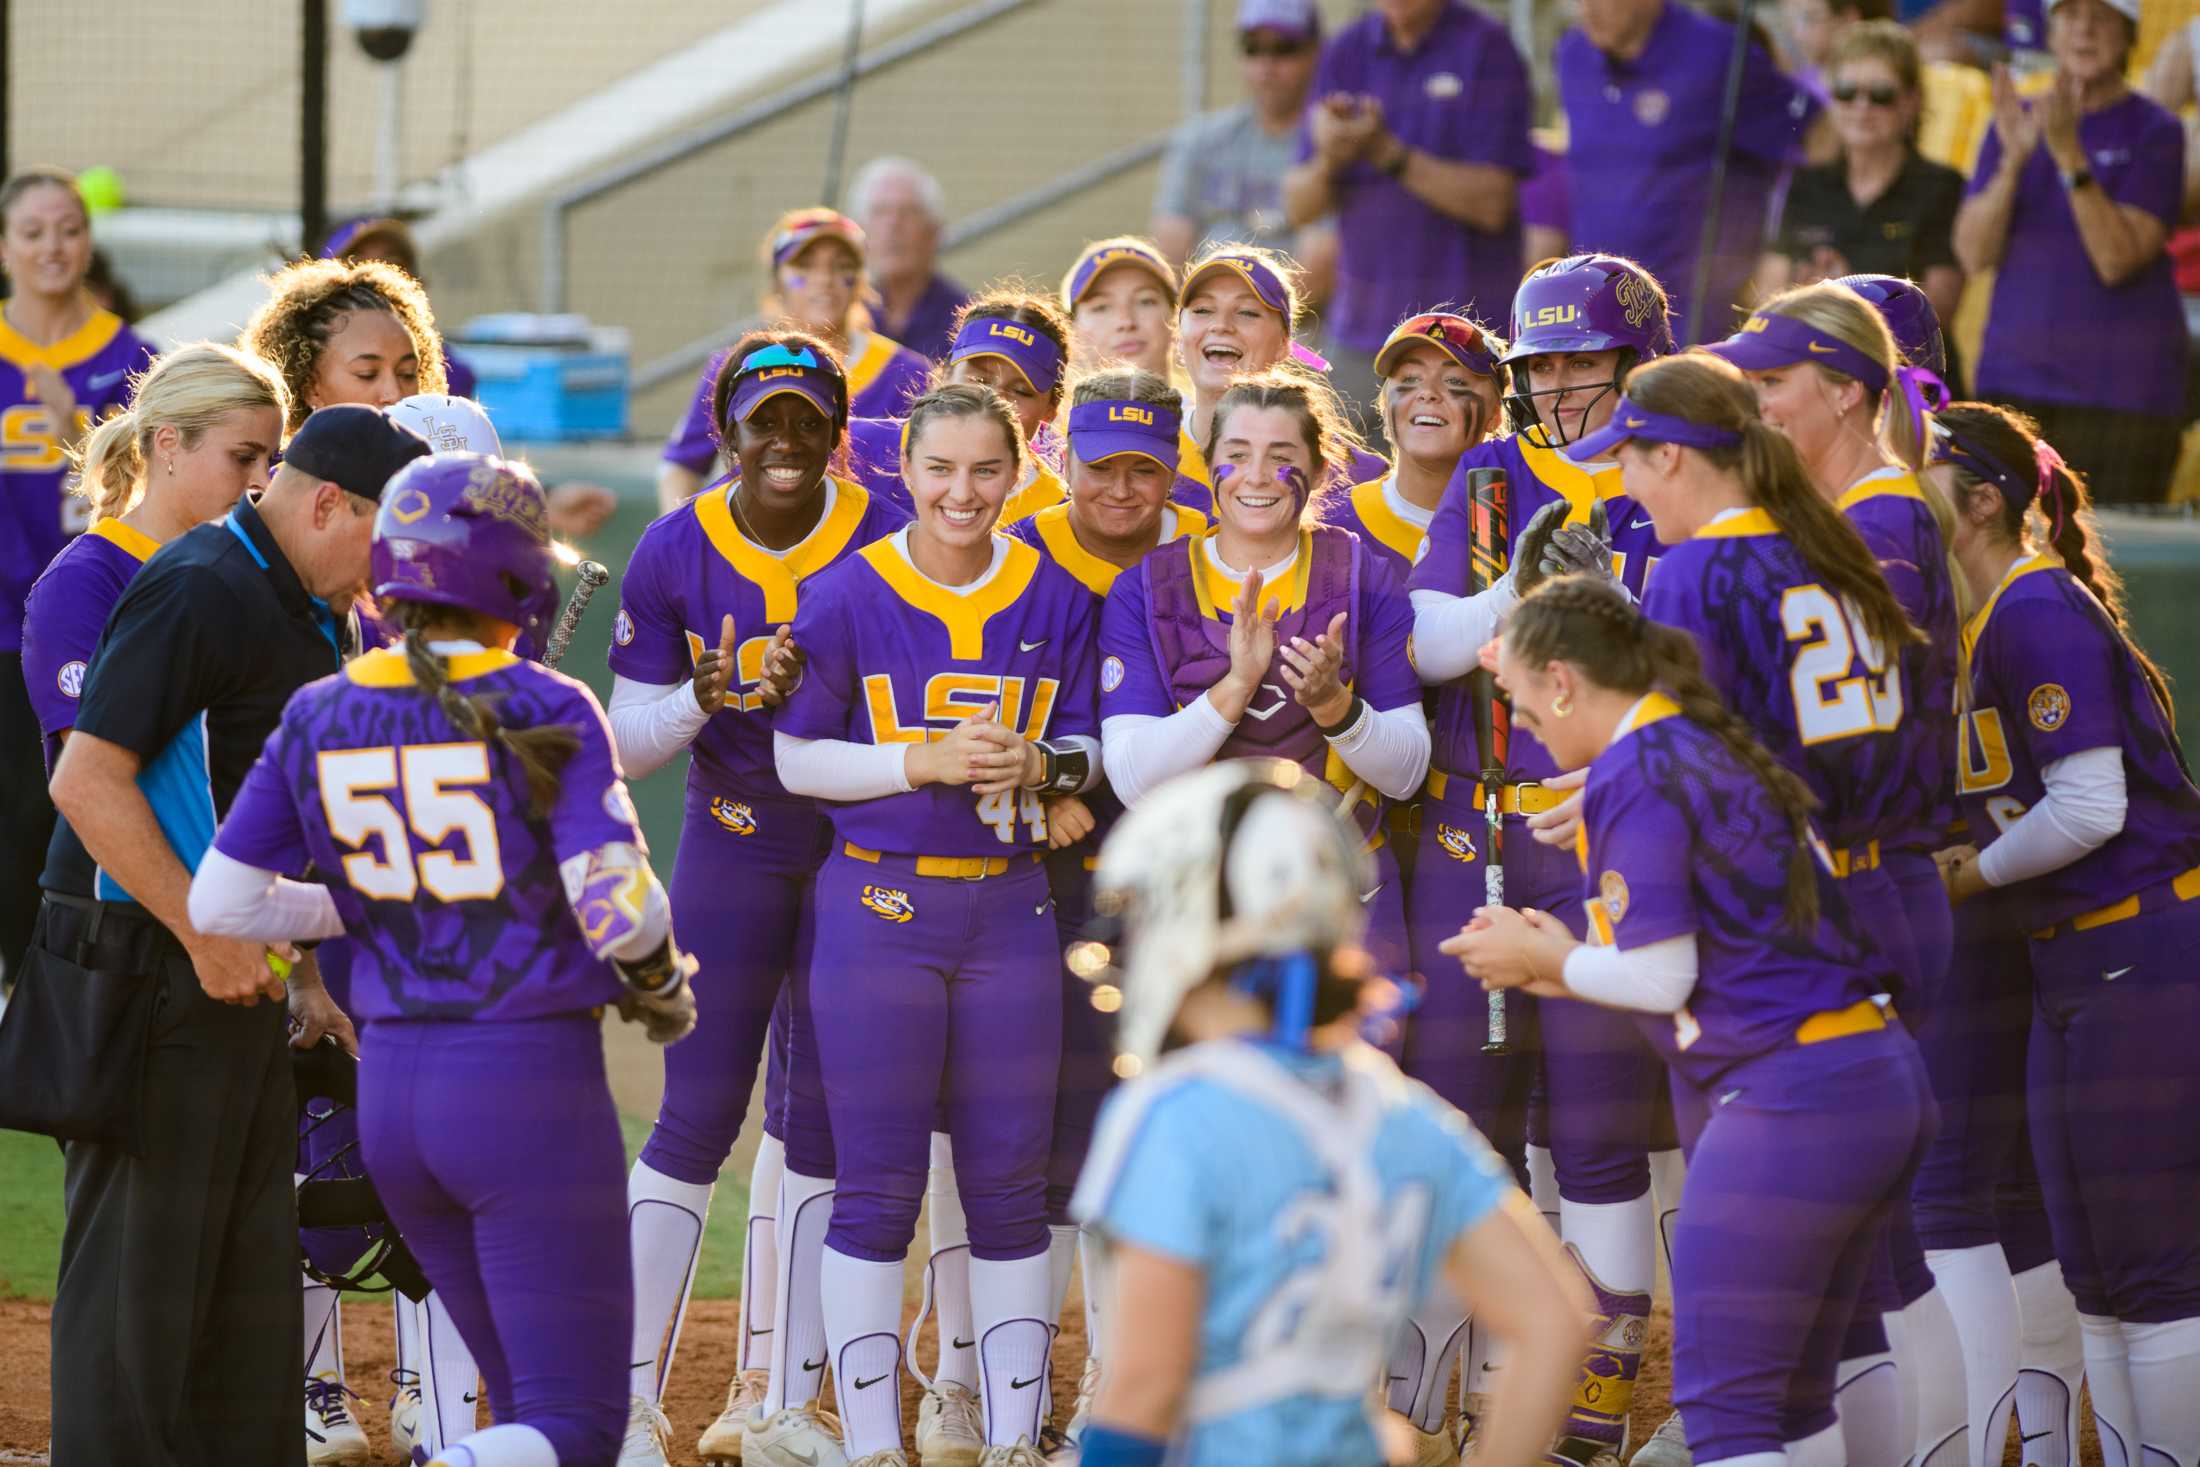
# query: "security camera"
{"type": "Point", "coordinates": [383, 28]}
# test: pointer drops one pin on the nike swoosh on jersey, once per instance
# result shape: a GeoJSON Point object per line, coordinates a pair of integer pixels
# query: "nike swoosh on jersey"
{"type": "Point", "coordinates": [1031, 646]}
{"type": "Point", "coordinates": [1639, 525]}
{"type": "Point", "coordinates": [2112, 977]}
{"type": "Point", "coordinates": [105, 379]}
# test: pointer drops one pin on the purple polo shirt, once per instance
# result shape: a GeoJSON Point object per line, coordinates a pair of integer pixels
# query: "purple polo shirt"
{"type": "Point", "coordinates": [1461, 95]}
{"type": "Point", "coordinates": [2129, 352]}
{"type": "Point", "coordinates": [930, 325]}
{"type": "Point", "coordinates": [1643, 132]}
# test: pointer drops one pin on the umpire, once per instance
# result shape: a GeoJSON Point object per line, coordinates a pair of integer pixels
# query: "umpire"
{"type": "Point", "coordinates": [176, 1335]}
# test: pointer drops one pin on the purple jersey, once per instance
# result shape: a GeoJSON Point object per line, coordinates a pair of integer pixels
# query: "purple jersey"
{"type": "Point", "coordinates": [1896, 520]}
{"type": "Point", "coordinates": [896, 658]}
{"type": "Point", "coordinates": [1375, 513]}
{"type": "Point", "coordinates": [874, 459]}
{"type": "Point", "coordinates": [693, 567]}
{"type": "Point", "coordinates": [883, 379]}
{"type": "Point", "coordinates": [1678, 837]}
{"type": "Point", "coordinates": [448, 887]}
{"type": "Point", "coordinates": [64, 615]}
{"type": "Point", "coordinates": [1534, 476]}
{"type": "Point", "coordinates": [36, 516]}
{"type": "Point", "coordinates": [1794, 663]}
{"type": "Point", "coordinates": [2050, 678]}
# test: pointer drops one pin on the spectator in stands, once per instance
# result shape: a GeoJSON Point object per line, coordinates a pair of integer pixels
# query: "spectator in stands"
{"type": "Point", "coordinates": [1222, 180]}
{"type": "Point", "coordinates": [2072, 202]}
{"type": "Point", "coordinates": [1546, 205]}
{"type": "Point", "coordinates": [1416, 140]}
{"type": "Point", "coordinates": [902, 211]}
{"type": "Point", "coordinates": [1814, 29]}
{"type": "Point", "coordinates": [1879, 208]}
{"type": "Point", "coordinates": [1643, 84]}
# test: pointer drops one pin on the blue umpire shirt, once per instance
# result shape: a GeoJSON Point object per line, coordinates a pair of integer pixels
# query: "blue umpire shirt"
{"type": "Point", "coordinates": [192, 672]}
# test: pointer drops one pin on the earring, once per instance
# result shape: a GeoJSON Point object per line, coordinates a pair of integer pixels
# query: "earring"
{"type": "Point", "coordinates": [170, 465]}
{"type": "Point", "coordinates": [1562, 706]}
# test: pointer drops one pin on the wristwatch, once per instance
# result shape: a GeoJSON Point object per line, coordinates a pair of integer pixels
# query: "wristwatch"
{"type": "Point", "coordinates": [2076, 178]}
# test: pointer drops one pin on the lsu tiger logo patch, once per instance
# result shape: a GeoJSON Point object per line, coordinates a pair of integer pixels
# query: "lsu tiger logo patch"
{"type": "Point", "coordinates": [1612, 891]}
{"type": "Point", "coordinates": [2048, 707]}
{"type": "Point", "coordinates": [889, 902]}
{"type": "Point", "coordinates": [733, 815]}
{"type": "Point", "coordinates": [1455, 842]}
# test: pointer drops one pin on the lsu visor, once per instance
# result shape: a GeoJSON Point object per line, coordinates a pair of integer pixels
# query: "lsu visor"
{"type": "Point", "coordinates": [1630, 421]}
{"type": "Point", "coordinates": [1455, 336]}
{"type": "Point", "coordinates": [1030, 352]}
{"type": "Point", "coordinates": [2043, 483]}
{"type": "Point", "coordinates": [1263, 281]}
{"type": "Point", "coordinates": [1099, 258]}
{"type": "Point", "coordinates": [769, 371]}
{"type": "Point", "coordinates": [1099, 431]}
{"type": "Point", "coordinates": [806, 226]}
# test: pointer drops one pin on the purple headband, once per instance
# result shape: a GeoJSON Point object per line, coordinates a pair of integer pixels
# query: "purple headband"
{"type": "Point", "coordinates": [2045, 485]}
{"type": "Point", "coordinates": [1030, 352]}
{"type": "Point", "coordinates": [1632, 421]}
{"type": "Point", "coordinates": [1102, 430]}
{"type": "Point", "coordinates": [1090, 265]}
{"type": "Point", "coordinates": [1768, 341]}
{"type": "Point", "coordinates": [1265, 283]}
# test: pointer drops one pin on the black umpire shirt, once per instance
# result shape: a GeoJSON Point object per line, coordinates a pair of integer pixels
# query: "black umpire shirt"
{"type": "Point", "coordinates": [198, 658]}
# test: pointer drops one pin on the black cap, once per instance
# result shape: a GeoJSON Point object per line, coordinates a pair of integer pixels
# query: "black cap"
{"type": "Point", "coordinates": [358, 448]}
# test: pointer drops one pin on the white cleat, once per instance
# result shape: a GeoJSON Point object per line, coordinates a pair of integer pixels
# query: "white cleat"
{"type": "Point", "coordinates": [1088, 1386]}
{"type": "Point", "coordinates": [1022, 1454]}
{"type": "Point", "coordinates": [333, 1439]}
{"type": "Point", "coordinates": [648, 1433]}
{"type": "Point", "coordinates": [797, 1436]}
{"type": "Point", "coordinates": [1667, 1447]}
{"type": "Point", "coordinates": [1473, 1410]}
{"type": "Point", "coordinates": [950, 1428]}
{"type": "Point", "coordinates": [405, 1409]}
{"type": "Point", "coordinates": [894, 1457]}
{"type": "Point", "coordinates": [720, 1446]}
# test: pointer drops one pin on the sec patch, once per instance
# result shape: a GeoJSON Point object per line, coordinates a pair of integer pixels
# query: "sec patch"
{"type": "Point", "coordinates": [889, 902]}
{"type": "Point", "coordinates": [622, 628]}
{"type": "Point", "coordinates": [70, 679]}
{"type": "Point", "coordinates": [1111, 674]}
{"type": "Point", "coordinates": [2048, 707]}
{"type": "Point", "coordinates": [1612, 891]}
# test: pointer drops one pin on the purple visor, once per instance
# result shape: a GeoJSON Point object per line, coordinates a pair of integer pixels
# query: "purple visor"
{"type": "Point", "coordinates": [1103, 430]}
{"type": "Point", "coordinates": [1265, 283]}
{"type": "Point", "coordinates": [1767, 342]}
{"type": "Point", "coordinates": [1030, 352]}
{"type": "Point", "coordinates": [1096, 261]}
{"type": "Point", "coordinates": [808, 225]}
{"type": "Point", "coordinates": [1630, 421]}
{"type": "Point", "coordinates": [818, 388]}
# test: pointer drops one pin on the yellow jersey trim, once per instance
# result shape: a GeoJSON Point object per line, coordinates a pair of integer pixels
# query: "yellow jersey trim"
{"type": "Point", "coordinates": [1043, 492]}
{"type": "Point", "coordinates": [385, 667]}
{"type": "Point", "coordinates": [135, 541]}
{"type": "Point", "coordinates": [1216, 590]}
{"type": "Point", "coordinates": [964, 614]}
{"type": "Point", "coordinates": [1092, 572]}
{"type": "Point", "coordinates": [1881, 486]}
{"type": "Point", "coordinates": [1575, 484]}
{"type": "Point", "coordinates": [79, 346]}
{"type": "Point", "coordinates": [878, 350]}
{"type": "Point", "coordinates": [1389, 527]}
{"type": "Point", "coordinates": [1191, 460]}
{"type": "Point", "coordinates": [1740, 526]}
{"type": "Point", "coordinates": [1976, 626]}
{"type": "Point", "coordinates": [777, 576]}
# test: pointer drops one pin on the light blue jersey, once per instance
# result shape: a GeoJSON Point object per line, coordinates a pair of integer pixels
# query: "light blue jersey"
{"type": "Point", "coordinates": [1319, 1195]}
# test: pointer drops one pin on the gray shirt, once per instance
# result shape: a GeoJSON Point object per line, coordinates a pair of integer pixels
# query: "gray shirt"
{"type": "Point", "coordinates": [1223, 172]}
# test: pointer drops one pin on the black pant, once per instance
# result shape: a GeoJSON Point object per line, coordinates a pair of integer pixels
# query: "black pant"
{"type": "Point", "coordinates": [2127, 458]}
{"type": "Point", "coordinates": [176, 1332]}
{"type": "Point", "coordinates": [26, 814]}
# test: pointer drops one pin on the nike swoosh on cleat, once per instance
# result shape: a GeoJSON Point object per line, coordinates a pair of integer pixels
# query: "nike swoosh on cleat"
{"type": "Point", "coordinates": [864, 1385]}
{"type": "Point", "coordinates": [1031, 646]}
{"type": "Point", "coordinates": [817, 1364]}
{"type": "Point", "coordinates": [2112, 977]}
{"type": "Point", "coordinates": [965, 1344]}
{"type": "Point", "coordinates": [807, 1459]}
{"type": "Point", "coordinates": [1021, 1385]}
{"type": "Point", "coordinates": [471, 1396]}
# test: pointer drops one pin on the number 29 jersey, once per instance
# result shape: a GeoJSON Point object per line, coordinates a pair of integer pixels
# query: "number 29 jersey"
{"type": "Point", "coordinates": [446, 883]}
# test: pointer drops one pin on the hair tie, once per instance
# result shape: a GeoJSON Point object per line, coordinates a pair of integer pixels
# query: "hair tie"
{"type": "Point", "coordinates": [2050, 490]}
{"type": "Point", "coordinates": [1306, 356]}
{"type": "Point", "coordinates": [1922, 392]}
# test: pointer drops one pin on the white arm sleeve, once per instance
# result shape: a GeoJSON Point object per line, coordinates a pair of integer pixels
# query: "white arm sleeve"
{"type": "Point", "coordinates": [1388, 749]}
{"type": "Point", "coordinates": [840, 769]}
{"type": "Point", "coordinates": [230, 899]}
{"type": "Point", "coordinates": [1449, 631]}
{"type": "Point", "coordinates": [1655, 978]}
{"type": "Point", "coordinates": [2081, 811]}
{"type": "Point", "coordinates": [1143, 750]}
{"type": "Point", "coordinates": [651, 722]}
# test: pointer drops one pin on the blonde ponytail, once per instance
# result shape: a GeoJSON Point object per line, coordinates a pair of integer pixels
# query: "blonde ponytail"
{"type": "Point", "coordinates": [190, 389]}
{"type": "Point", "coordinates": [110, 467]}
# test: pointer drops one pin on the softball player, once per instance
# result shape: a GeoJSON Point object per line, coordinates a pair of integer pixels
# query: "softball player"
{"type": "Point", "coordinates": [1018, 344]}
{"type": "Point", "coordinates": [2089, 824]}
{"type": "Point", "coordinates": [469, 799]}
{"type": "Point", "coordinates": [341, 331]}
{"type": "Point", "coordinates": [814, 259]}
{"type": "Point", "coordinates": [1716, 918]}
{"type": "Point", "coordinates": [1272, 1193]}
{"type": "Point", "coordinates": [949, 684]}
{"type": "Point", "coordinates": [702, 658]}
{"type": "Point", "coordinates": [1121, 298]}
{"type": "Point", "coordinates": [1580, 327]}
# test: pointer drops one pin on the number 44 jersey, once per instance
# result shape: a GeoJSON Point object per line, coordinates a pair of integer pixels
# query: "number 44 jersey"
{"type": "Point", "coordinates": [444, 877]}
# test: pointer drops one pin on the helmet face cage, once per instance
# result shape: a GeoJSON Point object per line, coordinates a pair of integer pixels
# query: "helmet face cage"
{"type": "Point", "coordinates": [346, 1238]}
{"type": "Point", "coordinates": [1584, 303]}
{"type": "Point", "coordinates": [1522, 411]}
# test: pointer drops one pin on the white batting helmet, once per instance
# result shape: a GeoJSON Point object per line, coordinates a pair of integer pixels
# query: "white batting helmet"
{"type": "Point", "coordinates": [450, 424]}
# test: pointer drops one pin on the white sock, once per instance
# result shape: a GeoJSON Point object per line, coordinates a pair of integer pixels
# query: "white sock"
{"type": "Point", "coordinates": [405, 1315]}
{"type": "Point", "coordinates": [1820, 1449]}
{"type": "Point", "coordinates": [1982, 1300]}
{"type": "Point", "coordinates": [1896, 1325]}
{"type": "Point", "coordinates": [1421, 1361]}
{"type": "Point", "coordinates": [1485, 1360]}
{"type": "Point", "coordinates": [2165, 1389]}
{"type": "Point", "coordinates": [1935, 1362]}
{"type": "Point", "coordinates": [2051, 1363]}
{"type": "Point", "coordinates": [1009, 1300]}
{"type": "Point", "coordinates": [1092, 1263]}
{"type": "Point", "coordinates": [324, 1325]}
{"type": "Point", "coordinates": [949, 1267]}
{"type": "Point", "coordinates": [863, 1324]}
{"type": "Point", "coordinates": [450, 1382]}
{"type": "Point", "coordinates": [797, 1353]}
{"type": "Point", "coordinates": [1543, 1184]}
{"type": "Point", "coordinates": [1868, 1403]}
{"type": "Point", "coordinates": [1668, 1173]}
{"type": "Point", "coordinates": [2108, 1382]}
{"type": "Point", "coordinates": [1062, 1240]}
{"type": "Point", "coordinates": [1615, 1242]}
{"type": "Point", "coordinates": [760, 1255]}
{"type": "Point", "coordinates": [664, 1224]}
{"type": "Point", "coordinates": [500, 1446]}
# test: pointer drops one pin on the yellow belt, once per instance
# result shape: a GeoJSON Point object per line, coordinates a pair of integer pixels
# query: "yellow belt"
{"type": "Point", "coordinates": [2180, 888]}
{"type": "Point", "coordinates": [956, 868]}
{"type": "Point", "coordinates": [1861, 1017]}
{"type": "Point", "coordinates": [1861, 858]}
{"type": "Point", "coordinates": [1531, 798]}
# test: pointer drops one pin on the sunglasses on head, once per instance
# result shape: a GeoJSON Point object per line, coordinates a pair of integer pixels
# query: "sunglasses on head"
{"type": "Point", "coordinates": [1878, 94]}
{"type": "Point", "coordinates": [1253, 48]}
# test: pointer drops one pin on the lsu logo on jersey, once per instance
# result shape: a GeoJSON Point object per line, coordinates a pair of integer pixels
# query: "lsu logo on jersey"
{"type": "Point", "coordinates": [748, 666]}
{"type": "Point", "coordinates": [1612, 892]}
{"type": "Point", "coordinates": [733, 815]}
{"type": "Point", "coordinates": [2048, 707]}
{"type": "Point", "coordinates": [1455, 842]}
{"type": "Point", "coordinates": [1023, 704]}
{"type": "Point", "coordinates": [890, 902]}
{"type": "Point", "coordinates": [28, 442]}
{"type": "Point", "coordinates": [70, 679]}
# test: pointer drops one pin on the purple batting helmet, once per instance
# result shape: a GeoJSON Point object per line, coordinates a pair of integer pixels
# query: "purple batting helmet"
{"type": "Point", "coordinates": [1909, 314]}
{"type": "Point", "coordinates": [467, 530]}
{"type": "Point", "coordinates": [1585, 303]}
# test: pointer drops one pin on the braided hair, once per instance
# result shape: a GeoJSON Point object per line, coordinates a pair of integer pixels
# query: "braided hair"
{"type": "Point", "coordinates": [1589, 622]}
{"type": "Point", "coordinates": [541, 752]}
